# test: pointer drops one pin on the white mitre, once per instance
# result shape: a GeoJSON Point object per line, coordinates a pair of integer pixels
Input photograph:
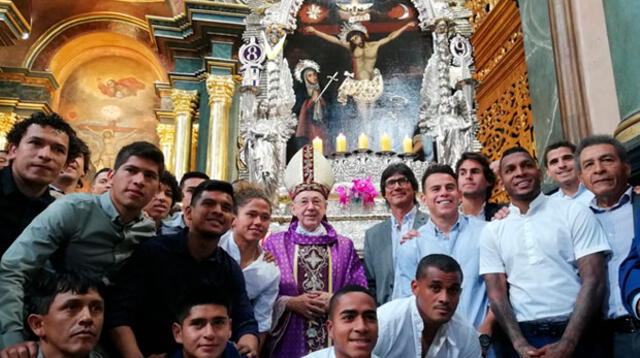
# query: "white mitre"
{"type": "Point", "coordinates": [308, 170]}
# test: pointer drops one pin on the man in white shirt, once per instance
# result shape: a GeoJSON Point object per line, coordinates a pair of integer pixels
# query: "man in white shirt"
{"type": "Point", "coordinates": [424, 325]}
{"type": "Point", "coordinates": [544, 267]}
{"type": "Point", "coordinates": [604, 169]}
{"type": "Point", "coordinates": [559, 162]}
{"type": "Point", "coordinates": [352, 324]}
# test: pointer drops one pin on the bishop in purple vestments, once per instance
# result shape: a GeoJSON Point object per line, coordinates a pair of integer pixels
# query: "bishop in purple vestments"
{"type": "Point", "coordinates": [314, 260]}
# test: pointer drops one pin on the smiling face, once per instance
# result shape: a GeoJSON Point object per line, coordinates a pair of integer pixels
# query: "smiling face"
{"type": "Point", "coordinates": [521, 176]}
{"type": "Point", "coordinates": [398, 191]}
{"type": "Point", "coordinates": [471, 179]}
{"type": "Point", "coordinates": [602, 170]}
{"type": "Point", "coordinates": [204, 332]}
{"type": "Point", "coordinates": [252, 221]}
{"type": "Point", "coordinates": [437, 295]}
{"type": "Point", "coordinates": [353, 325]}
{"type": "Point", "coordinates": [160, 205]}
{"type": "Point", "coordinates": [561, 166]}
{"type": "Point", "coordinates": [309, 207]}
{"type": "Point", "coordinates": [133, 184]}
{"type": "Point", "coordinates": [441, 195]}
{"type": "Point", "coordinates": [72, 326]}
{"type": "Point", "coordinates": [40, 155]}
{"type": "Point", "coordinates": [212, 214]}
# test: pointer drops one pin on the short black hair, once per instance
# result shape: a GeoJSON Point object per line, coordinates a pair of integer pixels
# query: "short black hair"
{"type": "Point", "coordinates": [556, 145]}
{"type": "Point", "coordinates": [140, 149]}
{"type": "Point", "coordinates": [514, 150]}
{"type": "Point", "coordinates": [47, 285]}
{"type": "Point", "coordinates": [479, 158]}
{"type": "Point", "coordinates": [200, 296]}
{"type": "Point", "coordinates": [103, 170]}
{"type": "Point", "coordinates": [52, 120]}
{"type": "Point", "coordinates": [213, 185]}
{"type": "Point", "coordinates": [168, 179]}
{"type": "Point", "coordinates": [601, 139]}
{"type": "Point", "coordinates": [244, 191]}
{"type": "Point", "coordinates": [194, 174]}
{"type": "Point", "coordinates": [442, 262]}
{"type": "Point", "coordinates": [437, 169]}
{"type": "Point", "coordinates": [398, 168]}
{"type": "Point", "coordinates": [84, 151]}
{"type": "Point", "coordinates": [343, 291]}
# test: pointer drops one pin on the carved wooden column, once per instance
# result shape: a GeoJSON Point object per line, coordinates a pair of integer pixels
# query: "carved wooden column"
{"type": "Point", "coordinates": [184, 105]}
{"type": "Point", "coordinates": [220, 90]}
{"type": "Point", "coordinates": [166, 133]}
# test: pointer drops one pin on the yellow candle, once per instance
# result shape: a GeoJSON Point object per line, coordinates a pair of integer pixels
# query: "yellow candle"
{"type": "Point", "coordinates": [363, 141]}
{"type": "Point", "coordinates": [317, 144]}
{"type": "Point", "coordinates": [385, 143]}
{"type": "Point", "coordinates": [341, 143]}
{"type": "Point", "coordinates": [407, 145]}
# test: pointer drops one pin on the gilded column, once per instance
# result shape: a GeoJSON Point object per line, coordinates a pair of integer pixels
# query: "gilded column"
{"type": "Point", "coordinates": [184, 105]}
{"type": "Point", "coordinates": [220, 90]}
{"type": "Point", "coordinates": [7, 120]}
{"type": "Point", "coordinates": [166, 133]}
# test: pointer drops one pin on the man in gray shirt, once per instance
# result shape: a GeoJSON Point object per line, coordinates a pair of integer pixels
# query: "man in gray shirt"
{"type": "Point", "coordinates": [92, 232]}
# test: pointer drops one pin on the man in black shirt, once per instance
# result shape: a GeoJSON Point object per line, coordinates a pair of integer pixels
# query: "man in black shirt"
{"type": "Point", "coordinates": [39, 147]}
{"type": "Point", "coordinates": [142, 304]}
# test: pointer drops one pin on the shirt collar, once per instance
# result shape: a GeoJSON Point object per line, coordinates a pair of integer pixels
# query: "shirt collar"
{"type": "Point", "coordinates": [441, 336]}
{"type": "Point", "coordinates": [534, 205]}
{"type": "Point", "coordinates": [9, 185]}
{"type": "Point", "coordinates": [406, 218]}
{"type": "Point", "coordinates": [581, 189]}
{"type": "Point", "coordinates": [459, 225]}
{"type": "Point", "coordinates": [319, 231]}
{"type": "Point", "coordinates": [624, 198]}
{"type": "Point", "coordinates": [107, 206]}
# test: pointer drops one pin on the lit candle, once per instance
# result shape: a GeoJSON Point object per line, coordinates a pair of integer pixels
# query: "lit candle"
{"type": "Point", "coordinates": [385, 143]}
{"type": "Point", "coordinates": [341, 143]}
{"type": "Point", "coordinates": [317, 144]}
{"type": "Point", "coordinates": [363, 141]}
{"type": "Point", "coordinates": [407, 145]}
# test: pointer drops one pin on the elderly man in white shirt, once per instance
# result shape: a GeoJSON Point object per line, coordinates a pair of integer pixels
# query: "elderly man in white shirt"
{"type": "Point", "coordinates": [604, 169]}
{"type": "Point", "coordinates": [425, 324]}
{"type": "Point", "coordinates": [352, 324]}
{"type": "Point", "coordinates": [544, 267]}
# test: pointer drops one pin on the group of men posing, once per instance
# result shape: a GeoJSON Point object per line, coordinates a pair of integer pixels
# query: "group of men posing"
{"type": "Point", "coordinates": [543, 278]}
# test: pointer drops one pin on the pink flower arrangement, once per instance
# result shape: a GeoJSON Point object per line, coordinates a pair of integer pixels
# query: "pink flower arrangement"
{"type": "Point", "coordinates": [362, 191]}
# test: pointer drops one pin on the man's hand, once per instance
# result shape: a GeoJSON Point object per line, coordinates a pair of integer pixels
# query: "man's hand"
{"type": "Point", "coordinates": [20, 350]}
{"type": "Point", "coordinates": [325, 297]}
{"type": "Point", "coordinates": [501, 214]}
{"type": "Point", "coordinates": [310, 30]}
{"type": "Point", "coordinates": [410, 235]}
{"type": "Point", "coordinates": [562, 348]}
{"type": "Point", "coordinates": [309, 305]}
{"type": "Point", "coordinates": [268, 257]}
{"type": "Point", "coordinates": [248, 345]}
{"type": "Point", "coordinates": [525, 350]}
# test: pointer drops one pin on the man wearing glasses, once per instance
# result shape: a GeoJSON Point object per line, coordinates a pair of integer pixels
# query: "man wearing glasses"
{"type": "Point", "coordinates": [399, 186]}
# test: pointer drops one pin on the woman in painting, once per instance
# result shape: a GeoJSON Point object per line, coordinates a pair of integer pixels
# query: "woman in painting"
{"type": "Point", "coordinates": [312, 107]}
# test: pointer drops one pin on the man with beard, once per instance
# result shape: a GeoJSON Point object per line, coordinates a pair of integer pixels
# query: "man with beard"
{"type": "Point", "coordinates": [381, 242]}
{"type": "Point", "coordinates": [92, 232]}
{"type": "Point", "coordinates": [147, 291]}
{"type": "Point", "coordinates": [544, 268]}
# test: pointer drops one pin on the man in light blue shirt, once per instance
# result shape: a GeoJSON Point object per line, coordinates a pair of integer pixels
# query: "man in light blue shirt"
{"type": "Point", "coordinates": [450, 233]}
{"type": "Point", "coordinates": [605, 168]}
{"type": "Point", "coordinates": [559, 163]}
{"type": "Point", "coordinates": [97, 233]}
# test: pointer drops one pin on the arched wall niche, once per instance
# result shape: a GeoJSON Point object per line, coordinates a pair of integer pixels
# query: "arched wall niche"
{"type": "Point", "coordinates": [107, 91]}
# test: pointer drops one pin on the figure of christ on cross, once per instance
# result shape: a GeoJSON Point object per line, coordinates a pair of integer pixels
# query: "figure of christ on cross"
{"type": "Point", "coordinates": [365, 86]}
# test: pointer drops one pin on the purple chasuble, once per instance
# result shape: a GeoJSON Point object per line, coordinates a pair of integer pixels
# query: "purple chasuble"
{"type": "Point", "coordinates": [314, 269]}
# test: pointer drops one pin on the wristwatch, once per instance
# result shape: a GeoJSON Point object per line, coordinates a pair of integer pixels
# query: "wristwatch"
{"type": "Point", "coordinates": [485, 341]}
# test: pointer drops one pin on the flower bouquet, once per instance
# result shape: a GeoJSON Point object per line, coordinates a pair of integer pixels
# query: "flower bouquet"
{"type": "Point", "coordinates": [362, 192]}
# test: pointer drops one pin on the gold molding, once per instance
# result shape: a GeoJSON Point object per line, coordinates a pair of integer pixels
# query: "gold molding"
{"type": "Point", "coordinates": [628, 129]}
{"type": "Point", "coordinates": [7, 120]}
{"type": "Point", "coordinates": [220, 90]}
{"type": "Point", "coordinates": [80, 19]}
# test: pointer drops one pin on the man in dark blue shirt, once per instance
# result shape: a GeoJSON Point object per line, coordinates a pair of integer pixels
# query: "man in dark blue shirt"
{"type": "Point", "coordinates": [143, 302]}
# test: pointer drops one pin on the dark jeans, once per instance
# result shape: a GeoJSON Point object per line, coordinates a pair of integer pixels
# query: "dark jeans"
{"type": "Point", "coordinates": [541, 334]}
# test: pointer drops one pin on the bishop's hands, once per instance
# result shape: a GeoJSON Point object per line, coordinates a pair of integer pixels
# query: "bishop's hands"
{"type": "Point", "coordinates": [310, 305]}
